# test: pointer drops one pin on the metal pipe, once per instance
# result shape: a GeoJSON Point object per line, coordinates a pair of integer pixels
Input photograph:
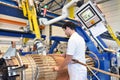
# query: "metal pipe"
{"type": "Point", "coordinates": [64, 13]}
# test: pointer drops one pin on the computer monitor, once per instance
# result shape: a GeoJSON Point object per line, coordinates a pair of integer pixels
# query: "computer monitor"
{"type": "Point", "coordinates": [89, 15]}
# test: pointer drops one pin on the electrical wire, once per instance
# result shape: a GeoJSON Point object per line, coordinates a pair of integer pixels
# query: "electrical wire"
{"type": "Point", "coordinates": [93, 73]}
{"type": "Point", "coordinates": [90, 52]}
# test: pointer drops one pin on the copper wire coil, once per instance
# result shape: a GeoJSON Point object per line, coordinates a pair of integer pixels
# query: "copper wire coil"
{"type": "Point", "coordinates": [40, 67]}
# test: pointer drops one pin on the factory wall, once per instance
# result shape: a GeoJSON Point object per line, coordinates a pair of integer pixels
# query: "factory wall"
{"type": "Point", "coordinates": [111, 9]}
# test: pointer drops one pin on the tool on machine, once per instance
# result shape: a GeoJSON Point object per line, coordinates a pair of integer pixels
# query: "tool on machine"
{"type": "Point", "coordinates": [11, 51]}
{"type": "Point", "coordinates": [40, 47]}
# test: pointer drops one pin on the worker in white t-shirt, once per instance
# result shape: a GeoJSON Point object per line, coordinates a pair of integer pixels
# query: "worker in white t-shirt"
{"type": "Point", "coordinates": [75, 50]}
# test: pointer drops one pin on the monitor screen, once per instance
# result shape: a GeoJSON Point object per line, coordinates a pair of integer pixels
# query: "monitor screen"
{"type": "Point", "coordinates": [87, 14]}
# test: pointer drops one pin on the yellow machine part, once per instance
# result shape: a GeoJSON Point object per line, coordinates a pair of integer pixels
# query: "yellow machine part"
{"type": "Point", "coordinates": [71, 11]}
{"type": "Point", "coordinates": [113, 35]}
{"type": "Point", "coordinates": [30, 12]}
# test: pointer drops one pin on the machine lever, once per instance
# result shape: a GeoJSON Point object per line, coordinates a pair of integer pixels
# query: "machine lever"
{"type": "Point", "coordinates": [21, 68]}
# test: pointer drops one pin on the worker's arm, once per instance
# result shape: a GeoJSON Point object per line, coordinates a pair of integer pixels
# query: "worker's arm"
{"type": "Point", "coordinates": [67, 60]}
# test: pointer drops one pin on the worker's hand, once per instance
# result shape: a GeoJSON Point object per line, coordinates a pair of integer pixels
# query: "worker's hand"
{"type": "Point", "coordinates": [63, 55]}
{"type": "Point", "coordinates": [56, 68]}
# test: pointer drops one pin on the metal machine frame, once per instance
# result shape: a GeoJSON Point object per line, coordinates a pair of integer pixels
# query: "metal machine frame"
{"type": "Point", "coordinates": [104, 57]}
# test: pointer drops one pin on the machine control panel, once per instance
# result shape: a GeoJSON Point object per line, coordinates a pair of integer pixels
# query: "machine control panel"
{"type": "Point", "coordinates": [89, 14]}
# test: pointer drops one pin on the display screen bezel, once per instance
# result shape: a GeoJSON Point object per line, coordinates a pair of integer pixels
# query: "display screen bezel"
{"type": "Point", "coordinates": [92, 9]}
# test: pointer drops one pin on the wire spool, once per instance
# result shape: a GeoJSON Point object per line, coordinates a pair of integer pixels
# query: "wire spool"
{"type": "Point", "coordinates": [40, 67]}
{"type": "Point", "coordinates": [89, 61]}
{"type": "Point", "coordinates": [93, 61]}
{"type": "Point", "coordinates": [29, 73]}
{"type": "Point", "coordinates": [45, 67]}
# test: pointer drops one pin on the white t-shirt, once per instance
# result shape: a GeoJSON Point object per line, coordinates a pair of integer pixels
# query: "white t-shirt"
{"type": "Point", "coordinates": [76, 48]}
